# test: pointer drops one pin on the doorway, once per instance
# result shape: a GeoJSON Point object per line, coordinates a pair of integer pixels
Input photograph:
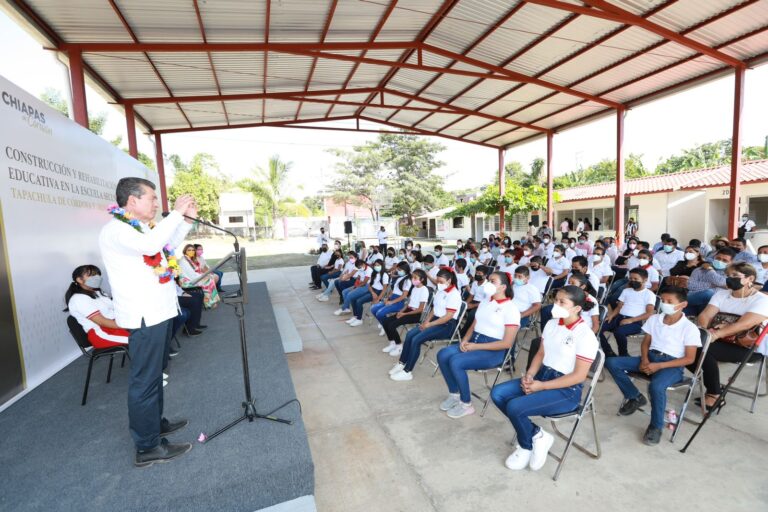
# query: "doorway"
{"type": "Point", "coordinates": [718, 218]}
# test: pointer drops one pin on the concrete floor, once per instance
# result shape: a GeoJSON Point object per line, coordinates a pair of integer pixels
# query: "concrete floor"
{"type": "Point", "coordinates": [380, 445]}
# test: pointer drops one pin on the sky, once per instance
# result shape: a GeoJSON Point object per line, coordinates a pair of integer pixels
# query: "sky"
{"type": "Point", "coordinates": [654, 130]}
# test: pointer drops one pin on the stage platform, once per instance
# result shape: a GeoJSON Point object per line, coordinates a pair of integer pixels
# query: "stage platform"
{"type": "Point", "coordinates": [58, 455]}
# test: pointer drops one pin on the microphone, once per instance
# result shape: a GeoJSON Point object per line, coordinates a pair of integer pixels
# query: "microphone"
{"type": "Point", "coordinates": [209, 224]}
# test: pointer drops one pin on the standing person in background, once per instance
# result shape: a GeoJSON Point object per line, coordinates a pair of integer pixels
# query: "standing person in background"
{"type": "Point", "coordinates": [631, 229]}
{"type": "Point", "coordinates": [531, 232]}
{"type": "Point", "coordinates": [382, 236]}
{"type": "Point", "coordinates": [564, 228]}
{"type": "Point", "coordinates": [141, 267]}
{"type": "Point", "coordinates": [322, 238]}
{"type": "Point", "coordinates": [544, 230]}
{"type": "Point", "coordinates": [746, 225]}
{"type": "Point", "coordinates": [579, 226]}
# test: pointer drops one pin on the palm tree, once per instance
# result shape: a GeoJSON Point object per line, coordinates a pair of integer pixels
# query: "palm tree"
{"type": "Point", "coordinates": [268, 185]}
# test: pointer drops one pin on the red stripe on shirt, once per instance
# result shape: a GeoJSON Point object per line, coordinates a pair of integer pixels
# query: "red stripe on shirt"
{"type": "Point", "coordinates": [97, 312]}
{"type": "Point", "coordinates": [449, 309]}
{"type": "Point", "coordinates": [585, 358]}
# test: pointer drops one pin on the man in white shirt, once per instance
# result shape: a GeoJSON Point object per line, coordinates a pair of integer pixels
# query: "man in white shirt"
{"type": "Point", "coordinates": [316, 270]}
{"type": "Point", "coordinates": [441, 260]}
{"type": "Point", "coordinates": [746, 225]}
{"type": "Point", "coordinates": [146, 304]}
{"type": "Point", "coordinates": [667, 257]}
{"type": "Point", "coordinates": [322, 238]}
{"type": "Point", "coordinates": [382, 236]}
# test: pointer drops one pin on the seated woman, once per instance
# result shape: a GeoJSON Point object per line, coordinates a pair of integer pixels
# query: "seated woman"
{"type": "Point", "coordinates": [484, 346]}
{"type": "Point", "coordinates": [442, 324]}
{"type": "Point", "coordinates": [93, 310]}
{"type": "Point", "coordinates": [475, 297]}
{"type": "Point", "coordinates": [417, 301]}
{"type": "Point", "coordinates": [390, 260]}
{"type": "Point", "coordinates": [552, 384]}
{"type": "Point", "coordinates": [741, 298]}
{"type": "Point", "coordinates": [397, 299]}
{"type": "Point", "coordinates": [334, 269]}
{"type": "Point", "coordinates": [191, 271]}
{"type": "Point", "coordinates": [205, 267]}
{"type": "Point", "coordinates": [682, 270]}
{"type": "Point", "coordinates": [342, 281]}
{"type": "Point", "coordinates": [415, 260]}
{"type": "Point", "coordinates": [358, 288]}
{"type": "Point", "coordinates": [376, 289]}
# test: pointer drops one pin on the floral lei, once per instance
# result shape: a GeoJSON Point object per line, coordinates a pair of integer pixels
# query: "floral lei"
{"type": "Point", "coordinates": [164, 274]}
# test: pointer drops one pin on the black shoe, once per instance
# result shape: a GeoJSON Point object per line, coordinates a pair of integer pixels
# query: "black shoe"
{"type": "Point", "coordinates": [201, 327]}
{"type": "Point", "coordinates": [652, 436]}
{"type": "Point", "coordinates": [194, 332]}
{"type": "Point", "coordinates": [633, 404]}
{"type": "Point", "coordinates": [164, 452]}
{"type": "Point", "coordinates": [173, 352]}
{"type": "Point", "coordinates": [169, 427]}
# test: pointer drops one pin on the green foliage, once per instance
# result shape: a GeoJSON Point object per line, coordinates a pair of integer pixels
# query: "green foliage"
{"type": "Point", "coordinates": [314, 204]}
{"type": "Point", "coordinates": [267, 189]}
{"type": "Point", "coordinates": [517, 199]}
{"type": "Point", "coordinates": [54, 98]}
{"type": "Point", "coordinates": [143, 157]}
{"type": "Point", "coordinates": [711, 154]}
{"type": "Point", "coordinates": [201, 178]}
{"type": "Point", "coordinates": [601, 172]}
{"type": "Point", "coordinates": [360, 178]}
{"type": "Point", "coordinates": [408, 231]}
{"type": "Point", "coordinates": [515, 172]}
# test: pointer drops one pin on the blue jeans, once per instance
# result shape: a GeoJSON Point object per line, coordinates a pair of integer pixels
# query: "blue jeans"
{"type": "Point", "coordinates": [620, 332]}
{"type": "Point", "coordinates": [327, 277]}
{"type": "Point", "coordinates": [657, 388]}
{"type": "Point", "coordinates": [179, 320]}
{"type": "Point", "coordinates": [380, 310]}
{"type": "Point", "coordinates": [359, 300]}
{"type": "Point", "coordinates": [416, 337]}
{"type": "Point", "coordinates": [221, 276]}
{"type": "Point", "coordinates": [697, 301]}
{"type": "Point", "coordinates": [454, 364]}
{"type": "Point", "coordinates": [341, 286]}
{"type": "Point", "coordinates": [351, 294]}
{"type": "Point", "coordinates": [511, 400]}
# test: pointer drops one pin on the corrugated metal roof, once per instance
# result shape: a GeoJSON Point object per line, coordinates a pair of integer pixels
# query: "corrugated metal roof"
{"type": "Point", "coordinates": [756, 170]}
{"type": "Point", "coordinates": [588, 54]}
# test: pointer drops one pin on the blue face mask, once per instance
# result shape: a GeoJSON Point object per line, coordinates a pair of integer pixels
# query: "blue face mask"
{"type": "Point", "coordinates": [519, 282]}
{"type": "Point", "coordinates": [719, 265]}
{"type": "Point", "coordinates": [507, 259]}
{"type": "Point", "coordinates": [459, 256]}
{"type": "Point", "coordinates": [668, 248]}
{"type": "Point", "coordinates": [472, 260]}
{"type": "Point", "coordinates": [401, 273]}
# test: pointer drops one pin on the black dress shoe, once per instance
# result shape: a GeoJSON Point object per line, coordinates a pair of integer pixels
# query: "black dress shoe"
{"type": "Point", "coordinates": [169, 427]}
{"type": "Point", "coordinates": [194, 332]}
{"type": "Point", "coordinates": [173, 352]}
{"type": "Point", "coordinates": [163, 452]}
{"type": "Point", "coordinates": [633, 404]}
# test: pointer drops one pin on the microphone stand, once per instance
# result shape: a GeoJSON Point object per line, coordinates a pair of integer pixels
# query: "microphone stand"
{"type": "Point", "coordinates": [238, 300]}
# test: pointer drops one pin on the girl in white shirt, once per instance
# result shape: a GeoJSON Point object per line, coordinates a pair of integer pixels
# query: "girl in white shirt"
{"type": "Point", "coordinates": [401, 285]}
{"type": "Point", "coordinates": [462, 279]}
{"type": "Point", "coordinates": [390, 260]}
{"type": "Point", "coordinates": [441, 326]}
{"type": "Point", "coordinates": [418, 298]}
{"type": "Point", "coordinates": [484, 346]}
{"type": "Point", "coordinates": [552, 384]}
{"type": "Point", "coordinates": [93, 310]}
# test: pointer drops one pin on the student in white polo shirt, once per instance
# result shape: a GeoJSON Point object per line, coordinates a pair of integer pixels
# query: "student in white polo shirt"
{"type": "Point", "coordinates": [635, 306]}
{"type": "Point", "coordinates": [670, 344]}
{"type": "Point", "coordinates": [667, 257]}
{"type": "Point", "coordinates": [552, 384]}
{"type": "Point", "coordinates": [557, 267]}
{"type": "Point", "coordinates": [401, 285]}
{"type": "Point", "coordinates": [507, 263]}
{"type": "Point", "coordinates": [431, 268]}
{"type": "Point", "coordinates": [359, 287]}
{"type": "Point", "coordinates": [475, 297]}
{"type": "Point", "coordinates": [538, 277]}
{"type": "Point", "coordinates": [411, 314]}
{"type": "Point", "coordinates": [484, 346]}
{"type": "Point", "coordinates": [390, 260]}
{"type": "Point", "coordinates": [343, 281]}
{"type": "Point", "coordinates": [440, 259]}
{"type": "Point", "coordinates": [527, 297]}
{"type": "Point", "coordinates": [462, 278]}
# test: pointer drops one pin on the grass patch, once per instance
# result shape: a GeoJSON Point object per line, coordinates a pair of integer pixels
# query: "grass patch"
{"type": "Point", "coordinates": [275, 261]}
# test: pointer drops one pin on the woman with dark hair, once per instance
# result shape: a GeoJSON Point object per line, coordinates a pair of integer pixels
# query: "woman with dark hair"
{"type": "Point", "coordinates": [191, 270]}
{"type": "Point", "coordinates": [445, 315]}
{"type": "Point", "coordinates": [401, 284]}
{"type": "Point", "coordinates": [92, 309]}
{"type": "Point", "coordinates": [374, 292]}
{"type": "Point", "coordinates": [552, 384]}
{"type": "Point", "coordinates": [483, 346]}
{"type": "Point", "coordinates": [204, 265]}
{"type": "Point", "coordinates": [418, 296]}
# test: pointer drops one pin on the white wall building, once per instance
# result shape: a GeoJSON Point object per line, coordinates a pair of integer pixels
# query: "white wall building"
{"type": "Point", "coordinates": [236, 212]}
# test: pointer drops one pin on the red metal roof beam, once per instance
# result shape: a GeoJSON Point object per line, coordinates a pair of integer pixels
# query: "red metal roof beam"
{"type": "Point", "coordinates": [421, 131]}
{"type": "Point", "coordinates": [326, 27]}
{"type": "Point", "coordinates": [106, 47]}
{"type": "Point", "coordinates": [210, 58]}
{"type": "Point", "coordinates": [247, 96]}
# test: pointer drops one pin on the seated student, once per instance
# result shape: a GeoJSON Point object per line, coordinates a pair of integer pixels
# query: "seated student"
{"type": "Point", "coordinates": [484, 346]}
{"type": "Point", "coordinates": [411, 314]}
{"type": "Point", "coordinates": [401, 285]}
{"type": "Point", "coordinates": [441, 325]}
{"type": "Point", "coordinates": [762, 267]}
{"type": "Point", "coordinates": [507, 264]}
{"type": "Point", "coordinates": [580, 265]}
{"type": "Point", "coordinates": [635, 306]}
{"type": "Point", "coordinates": [526, 296]}
{"type": "Point", "coordinates": [485, 255]}
{"type": "Point", "coordinates": [538, 277]}
{"type": "Point", "coordinates": [683, 269]}
{"type": "Point", "coordinates": [741, 298]}
{"type": "Point", "coordinates": [431, 269]}
{"type": "Point", "coordinates": [475, 297]}
{"type": "Point", "coordinates": [374, 255]}
{"type": "Point", "coordinates": [517, 250]}
{"type": "Point", "coordinates": [344, 281]}
{"type": "Point", "coordinates": [527, 254]}
{"type": "Point", "coordinates": [670, 344]}
{"type": "Point", "coordinates": [376, 289]}
{"type": "Point", "coordinates": [335, 270]}
{"type": "Point", "coordinates": [557, 267]}
{"type": "Point", "coordinates": [363, 253]}
{"type": "Point", "coordinates": [440, 259]}
{"type": "Point", "coordinates": [644, 262]}
{"type": "Point", "coordinates": [474, 261]}
{"type": "Point", "coordinates": [205, 267]}
{"type": "Point", "coordinates": [459, 255]}
{"type": "Point", "coordinates": [600, 266]}
{"type": "Point", "coordinates": [667, 257]}
{"type": "Point", "coordinates": [316, 270]}
{"type": "Point", "coordinates": [706, 280]}
{"type": "Point", "coordinates": [570, 248]}
{"type": "Point", "coordinates": [415, 260]}
{"type": "Point", "coordinates": [583, 247]}
{"type": "Point", "coordinates": [93, 310]}
{"type": "Point", "coordinates": [590, 312]}
{"type": "Point", "coordinates": [553, 382]}
{"type": "Point", "coordinates": [359, 288]}
{"type": "Point", "coordinates": [390, 260]}
{"type": "Point", "coordinates": [547, 246]}
{"type": "Point", "coordinates": [462, 279]}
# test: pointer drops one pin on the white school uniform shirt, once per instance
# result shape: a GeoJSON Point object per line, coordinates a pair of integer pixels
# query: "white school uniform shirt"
{"type": "Point", "coordinates": [83, 308]}
{"type": "Point", "coordinates": [476, 290]}
{"type": "Point", "coordinates": [558, 266]}
{"type": "Point", "coordinates": [663, 261]}
{"type": "Point", "coordinates": [494, 316]}
{"type": "Point", "coordinates": [406, 282]}
{"type": "Point", "coordinates": [442, 260]}
{"type": "Point", "coordinates": [364, 272]}
{"type": "Point", "coordinates": [382, 236]}
{"type": "Point", "coordinates": [508, 268]}
{"type": "Point", "coordinates": [338, 264]}
{"type": "Point", "coordinates": [433, 274]}
{"type": "Point", "coordinates": [612, 252]}
{"type": "Point", "coordinates": [593, 279]}
{"type": "Point", "coordinates": [594, 311]}
{"type": "Point", "coordinates": [538, 278]}
{"type": "Point", "coordinates": [485, 257]}
{"type": "Point", "coordinates": [525, 296]}
{"type": "Point", "coordinates": [634, 302]}
{"type": "Point", "coordinates": [572, 253]}
{"type": "Point", "coordinates": [390, 262]}
{"type": "Point", "coordinates": [756, 303]}
{"type": "Point", "coordinates": [415, 265]}
{"type": "Point", "coordinates": [524, 260]}
{"type": "Point", "coordinates": [548, 249]}
{"type": "Point", "coordinates": [322, 238]}
{"type": "Point", "coordinates": [349, 266]}
{"type": "Point", "coordinates": [323, 259]}
{"type": "Point", "coordinates": [564, 344]}
{"type": "Point", "coordinates": [372, 257]}
{"type": "Point", "coordinates": [417, 296]}
{"type": "Point", "coordinates": [653, 275]}
{"type": "Point", "coordinates": [445, 301]}
{"type": "Point", "coordinates": [462, 280]}
{"type": "Point", "coordinates": [601, 269]}
{"type": "Point", "coordinates": [379, 285]}
{"type": "Point", "coordinates": [672, 339]}
{"type": "Point", "coordinates": [136, 291]}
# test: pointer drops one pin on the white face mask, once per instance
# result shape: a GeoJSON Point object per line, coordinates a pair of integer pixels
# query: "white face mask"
{"type": "Point", "coordinates": [690, 256]}
{"type": "Point", "coordinates": [763, 258]}
{"type": "Point", "coordinates": [489, 289]}
{"type": "Point", "coordinates": [559, 311]}
{"type": "Point", "coordinates": [597, 258]}
{"type": "Point", "coordinates": [635, 252]}
{"type": "Point", "coordinates": [526, 252]}
{"type": "Point", "coordinates": [642, 262]}
{"type": "Point", "coordinates": [557, 255]}
{"type": "Point", "coordinates": [441, 286]}
{"type": "Point", "coordinates": [667, 309]}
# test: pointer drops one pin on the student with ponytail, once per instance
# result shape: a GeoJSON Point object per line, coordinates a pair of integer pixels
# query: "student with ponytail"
{"type": "Point", "coordinates": [484, 346]}
{"type": "Point", "coordinates": [417, 301]}
{"type": "Point", "coordinates": [397, 299]}
{"type": "Point", "coordinates": [445, 315]}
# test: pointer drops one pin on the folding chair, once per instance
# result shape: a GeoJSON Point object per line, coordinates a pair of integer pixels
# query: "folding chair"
{"type": "Point", "coordinates": [507, 362]}
{"type": "Point", "coordinates": [687, 383]}
{"type": "Point", "coordinates": [587, 406]}
{"type": "Point", "coordinates": [607, 287]}
{"type": "Point", "coordinates": [762, 363]}
{"type": "Point", "coordinates": [424, 313]}
{"type": "Point", "coordinates": [545, 298]}
{"type": "Point", "coordinates": [367, 316]}
{"type": "Point", "coordinates": [81, 338]}
{"type": "Point", "coordinates": [454, 338]}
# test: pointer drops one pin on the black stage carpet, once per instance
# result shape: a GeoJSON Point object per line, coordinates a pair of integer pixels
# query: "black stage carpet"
{"type": "Point", "coordinates": [57, 455]}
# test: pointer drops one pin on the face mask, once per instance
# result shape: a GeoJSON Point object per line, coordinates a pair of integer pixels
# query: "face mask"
{"type": "Point", "coordinates": [719, 265]}
{"type": "Point", "coordinates": [559, 311]}
{"type": "Point", "coordinates": [190, 254]}
{"type": "Point", "coordinates": [635, 285]}
{"type": "Point", "coordinates": [546, 241]}
{"type": "Point", "coordinates": [438, 253]}
{"type": "Point", "coordinates": [401, 273]}
{"type": "Point", "coordinates": [632, 246]}
{"type": "Point", "coordinates": [441, 286]}
{"type": "Point", "coordinates": [410, 259]}
{"type": "Point", "coordinates": [745, 219]}
{"type": "Point", "coordinates": [763, 258]}
{"type": "Point", "coordinates": [401, 257]}
{"type": "Point", "coordinates": [484, 249]}
{"type": "Point", "coordinates": [582, 241]}
{"type": "Point", "coordinates": [415, 282]}
{"type": "Point", "coordinates": [377, 268]}
{"type": "Point", "coordinates": [93, 282]}
{"type": "Point", "coordinates": [428, 266]}
{"type": "Point", "coordinates": [557, 255]}
{"type": "Point", "coordinates": [352, 260]}
{"type": "Point", "coordinates": [733, 283]}
{"type": "Point", "coordinates": [668, 248]}
{"type": "Point", "coordinates": [668, 309]}
{"type": "Point", "coordinates": [737, 250]}
{"type": "Point", "coordinates": [489, 289]}
{"type": "Point", "coordinates": [635, 252]}
{"type": "Point", "coordinates": [643, 262]}
{"type": "Point", "coordinates": [459, 256]}
{"type": "Point", "coordinates": [391, 255]}
{"type": "Point", "coordinates": [526, 252]}
{"type": "Point", "coordinates": [571, 245]}
{"type": "Point", "coordinates": [597, 258]}
{"type": "Point", "coordinates": [534, 268]}
{"type": "Point", "coordinates": [472, 260]}
{"type": "Point", "coordinates": [690, 256]}
{"type": "Point", "coordinates": [507, 259]}
{"type": "Point", "coordinates": [479, 278]}
{"type": "Point", "coordinates": [200, 251]}
{"type": "Point", "coordinates": [519, 282]}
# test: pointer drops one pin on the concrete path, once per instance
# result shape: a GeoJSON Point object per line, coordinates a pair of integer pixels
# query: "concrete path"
{"type": "Point", "coordinates": [380, 445]}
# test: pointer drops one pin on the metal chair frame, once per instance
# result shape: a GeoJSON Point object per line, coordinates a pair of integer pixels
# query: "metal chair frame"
{"type": "Point", "coordinates": [454, 338]}
{"type": "Point", "coordinates": [762, 375]}
{"type": "Point", "coordinates": [499, 369]}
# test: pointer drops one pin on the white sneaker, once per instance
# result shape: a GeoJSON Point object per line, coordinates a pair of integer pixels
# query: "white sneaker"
{"type": "Point", "coordinates": [449, 402]}
{"type": "Point", "coordinates": [323, 298]}
{"type": "Point", "coordinates": [355, 322]}
{"type": "Point", "coordinates": [165, 383]}
{"type": "Point", "coordinates": [382, 333]}
{"type": "Point", "coordinates": [460, 410]}
{"type": "Point", "coordinates": [350, 320]}
{"type": "Point", "coordinates": [389, 347]}
{"type": "Point", "coordinates": [395, 352]}
{"type": "Point", "coordinates": [165, 376]}
{"type": "Point", "coordinates": [519, 459]}
{"type": "Point", "coordinates": [342, 311]}
{"type": "Point", "coordinates": [542, 442]}
{"type": "Point", "coordinates": [402, 376]}
{"type": "Point", "coordinates": [397, 368]}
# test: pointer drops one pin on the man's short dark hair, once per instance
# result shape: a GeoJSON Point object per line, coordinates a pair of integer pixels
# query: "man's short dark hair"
{"type": "Point", "coordinates": [523, 271]}
{"type": "Point", "coordinates": [695, 242]}
{"type": "Point", "coordinates": [128, 187]}
{"type": "Point", "coordinates": [640, 272]}
{"type": "Point", "coordinates": [741, 240]}
{"type": "Point", "coordinates": [680, 293]}
{"type": "Point", "coordinates": [726, 251]}
{"type": "Point", "coordinates": [581, 260]}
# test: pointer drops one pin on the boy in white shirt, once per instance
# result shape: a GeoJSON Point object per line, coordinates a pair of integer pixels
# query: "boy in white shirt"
{"type": "Point", "coordinates": [527, 297]}
{"type": "Point", "coordinates": [670, 343]}
{"type": "Point", "coordinates": [667, 257]}
{"type": "Point", "coordinates": [431, 269]}
{"type": "Point", "coordinates": [507, 263]}
{"type": "Point", "coordinates": [462, 279]}
{"type": "Point", "coordinates": [441, 260]}
{"type": "Point", "coordinates": [538, 277]}
{"type": "Point", "coordinates": [635, 305]}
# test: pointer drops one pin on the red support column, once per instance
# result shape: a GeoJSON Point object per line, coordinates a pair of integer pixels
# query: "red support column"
{"type": "Point", "coordinates": [502, 191]}
{"type": "Point", "coordinates": [550, 179]}
{"type": "Point", "coordinates": [77, 79]}
{"type": "Point", "coordinates": [161, 171]}
{"type": "Point", "coordinates": [619, 203]}
{"type": "Point", "coordinates": [735, 197]}
{"type": "Point", "coordinates": [130, 124]}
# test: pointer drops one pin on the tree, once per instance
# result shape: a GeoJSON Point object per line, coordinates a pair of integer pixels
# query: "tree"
{"type": "Point", "coordinates": [315, 204]}
{"type": "Point", "coordinates": [517, 199]}
{"type": "Point", "coordinates": [54, 98]}
{"type": "Point", "coordinates": [601, 172]}
{"type": "Point", "coordinates": [267, 187]}
{"type": "Point", "coordinates": [711, 154]}
{"type": "Point", "coordinates": [514, 171]}
{"type": "Point", "coordinates": [201, 178]}
{"type": "Point", "coordinates": [142, 157]}
{"type": "Point", "coordinates": [360, 178]}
